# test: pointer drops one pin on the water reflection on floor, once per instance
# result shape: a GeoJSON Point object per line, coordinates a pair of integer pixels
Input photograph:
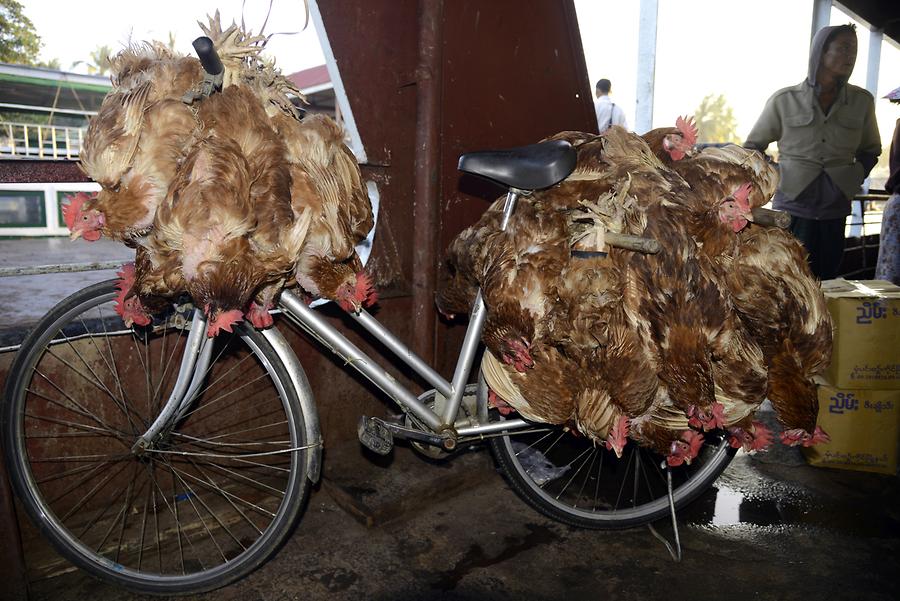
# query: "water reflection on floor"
{"type": "Point", "coordinates": [727, 509]}
{"type": "Point", "coordinates": [748, 499]}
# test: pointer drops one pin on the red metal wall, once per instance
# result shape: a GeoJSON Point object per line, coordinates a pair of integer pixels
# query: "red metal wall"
{"type": "Point", "coordinates": [507, 73]}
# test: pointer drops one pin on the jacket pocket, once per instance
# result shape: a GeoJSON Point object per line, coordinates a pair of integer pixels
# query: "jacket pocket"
{"type": "Point", "coordinates": [799, 120]}
{"type": "Point", "coordinates": [850, 121]}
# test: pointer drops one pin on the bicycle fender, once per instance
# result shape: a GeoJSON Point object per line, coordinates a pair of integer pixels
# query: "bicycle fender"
{"type": "Point", "coordinates": [304, 395]}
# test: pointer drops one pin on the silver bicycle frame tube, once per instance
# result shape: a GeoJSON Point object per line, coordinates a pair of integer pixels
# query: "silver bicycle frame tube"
{"type": "Point", "coordinates": [322, 331]}
{"type": "Point", "coordinates": [473, 333]}
{"type": "Point", "coordinates": [404, 353]}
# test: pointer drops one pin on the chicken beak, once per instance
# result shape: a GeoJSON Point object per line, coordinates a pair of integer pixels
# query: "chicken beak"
{"type": "Point", "coordinates": [75, 235]}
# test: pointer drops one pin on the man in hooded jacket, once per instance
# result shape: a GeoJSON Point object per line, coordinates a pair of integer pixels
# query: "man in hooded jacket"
{"type": "Point", "coordinates": [828, 142]}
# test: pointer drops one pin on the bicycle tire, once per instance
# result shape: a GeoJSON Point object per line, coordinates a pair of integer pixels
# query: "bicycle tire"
{"type": "Point", "coordinates": [543, 479]}
{"type": "Point", "coordinates": [215, 498]}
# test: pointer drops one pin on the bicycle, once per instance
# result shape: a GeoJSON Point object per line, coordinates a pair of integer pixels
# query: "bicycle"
{"type": "Point", "coordinates": [168, 462]}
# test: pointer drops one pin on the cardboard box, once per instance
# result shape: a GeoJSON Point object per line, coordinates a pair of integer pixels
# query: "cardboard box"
{"type": "Point", "coordinates": [866, 318]}
{"type": "Point", "coordinates": [863, 425]}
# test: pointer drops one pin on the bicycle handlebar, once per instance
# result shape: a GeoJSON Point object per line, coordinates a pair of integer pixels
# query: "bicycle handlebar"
{"type": "Point", "coordinates": [207, 55]}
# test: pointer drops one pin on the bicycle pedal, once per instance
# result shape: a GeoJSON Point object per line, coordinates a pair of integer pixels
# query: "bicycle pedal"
{"type": "Point", "coordinates": [374, 435]}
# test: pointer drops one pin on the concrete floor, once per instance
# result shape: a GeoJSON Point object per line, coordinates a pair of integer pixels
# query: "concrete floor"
{"type": "Point", "coordinates": [25, 299]}
{"type": "Point", "coordinates": [772, 528]}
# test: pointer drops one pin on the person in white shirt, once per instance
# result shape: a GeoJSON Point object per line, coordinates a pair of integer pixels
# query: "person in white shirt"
{"type": "Point", "coordinates": [607, 111]}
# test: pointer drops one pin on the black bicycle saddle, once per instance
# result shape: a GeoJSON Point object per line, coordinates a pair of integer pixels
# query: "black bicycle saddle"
{"type": "Point", "coordinates": [526, 167]}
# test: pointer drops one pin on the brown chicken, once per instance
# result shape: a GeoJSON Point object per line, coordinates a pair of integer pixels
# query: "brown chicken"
{"type": "Point", "coordinates": [207, 219]}
{"type": "Point", "coordinates": [660, 348]}
{"type": "Point", "coordinates": [326, 182]}
{"type": "Point", "coordinates": [783, 308]}
{"type": "Point", "coordinates": [275, 238]}
{"type": "Point", "coordinates": [135, 143]}
{"type": "Point", "coordinates": [225, 194]}
{"type": "Point", "coordinates": [671, 144]}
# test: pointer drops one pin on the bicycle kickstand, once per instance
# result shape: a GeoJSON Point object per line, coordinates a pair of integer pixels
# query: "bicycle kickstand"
{"type": "Point", "coordinates": [676, 551]}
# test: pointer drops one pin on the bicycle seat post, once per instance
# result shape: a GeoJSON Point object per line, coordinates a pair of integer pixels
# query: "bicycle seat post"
{"type": "Point", "coordinates": [509, 206]}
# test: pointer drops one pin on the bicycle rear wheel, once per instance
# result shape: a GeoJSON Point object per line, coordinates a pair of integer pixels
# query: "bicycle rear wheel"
{"type": "Point", "coordinates": [568, 478]}
{"type": "Point", "coordinates": [214, 496]}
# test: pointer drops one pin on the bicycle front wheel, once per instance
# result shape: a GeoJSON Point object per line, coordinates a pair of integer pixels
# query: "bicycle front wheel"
{"type": "Point", "coordinates": [212, 498]}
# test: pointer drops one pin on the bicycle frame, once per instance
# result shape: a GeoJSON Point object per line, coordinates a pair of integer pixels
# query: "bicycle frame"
{"type": "Point", "coordinates": [317, 327]}
{"type": "Point", "coordinates": [195, 363]}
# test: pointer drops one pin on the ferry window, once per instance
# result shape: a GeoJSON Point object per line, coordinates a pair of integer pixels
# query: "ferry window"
{"type": "Point", "coordinates": [22, 208]}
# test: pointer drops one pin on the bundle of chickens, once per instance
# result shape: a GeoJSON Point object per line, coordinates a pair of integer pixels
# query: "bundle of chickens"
{"type": "Point", "coordinates": [227, 196]}
{"type": "Point", "coordinates": [648, 296]}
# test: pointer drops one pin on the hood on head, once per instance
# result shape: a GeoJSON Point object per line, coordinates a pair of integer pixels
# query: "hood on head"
{"type": "Point", "coordinates": [817, 48]}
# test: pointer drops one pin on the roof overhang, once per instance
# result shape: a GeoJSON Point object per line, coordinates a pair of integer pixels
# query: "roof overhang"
{"type": "Point", "coordinates": [881, 15]}
{"type": "Point", "coordinates": [34, 89]}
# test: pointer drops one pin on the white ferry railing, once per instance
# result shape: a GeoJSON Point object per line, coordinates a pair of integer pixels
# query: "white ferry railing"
{"type": "Point", "coordinates": [35, 141]}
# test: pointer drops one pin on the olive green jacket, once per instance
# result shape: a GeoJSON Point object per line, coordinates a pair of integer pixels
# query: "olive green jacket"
{"type": "Point", "coordinates": [809, 141]}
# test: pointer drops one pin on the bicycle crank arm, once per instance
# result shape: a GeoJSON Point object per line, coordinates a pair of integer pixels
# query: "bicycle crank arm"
{"type": "Point", "coordinates": [378, 435]}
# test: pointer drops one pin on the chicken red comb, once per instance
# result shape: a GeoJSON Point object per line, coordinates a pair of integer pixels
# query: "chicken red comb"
{"type": "Point", "coordinates": [694, 441]}
{"type": "Point", "coordinates": [126, 275]}
{"type": "Point", "coordinates": [762, 437]}
{"type": "Point", "coordinates": [72, 209]}
{"type": "Point", "coordinates": [688, 130]}
{"type": "Point", "coordinates": [742, 194]}
{"type": "Point", "coordinates": [126, 281]}
{"type": "Point", "coordinates": [223, 321]}
{"type": "Point", "coordinates": [818, 436]}
{"type": "Point", "coordinates": [364, 292]}
{"type": "Point", "coordinates": [618, 436]}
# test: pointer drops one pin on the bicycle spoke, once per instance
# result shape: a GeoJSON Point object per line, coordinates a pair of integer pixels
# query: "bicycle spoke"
{"type": "Point", "coordinates": [165, 370]}
{"type": "Point", "coordinates": [190, 495]}
{"type": "Point", "coordinates": [587, 477]}
{"type": "Point", "coordinates": [245, 478]}
{"type": "Point", "coordinates": [156, 523]}
{"type": "Point", "coordinates": [566, 486]}
{"type": "Point", "coordinates": [120, 403]}
{"type": "Point", "coordinates": [90, 494]}
{"type": "Point", "coordinates": [85, 429]}
{"type": "Point", "coordinates": [239, 420]}
{"type": "Point", "coordinates": [81, 410]}
{"type": "Point", "coordinates": [111, 365]}
{"type": "Point", "coordinates": [140, 560]}
{"type": "Point", "coordinates": [181, 534]}
{"type": "Point", "coordinates": [65, 474]}
{"type": "Point", "coordinates": [624, 479]}
{"type": "Point", "coordinates": [125, 510]}
{"type": "Point", "coordinates": [599, 480]}
{"type": "Point", "coordinates": [215, 436]}
{"type": "Point", "coordinates": [212, 485]}
{"type": "Point", "coordinates": [145, 366]}
{"type": "Point", "coordinates": [231, 392]}
{"type": "Point", "coordinates": [224, 493]}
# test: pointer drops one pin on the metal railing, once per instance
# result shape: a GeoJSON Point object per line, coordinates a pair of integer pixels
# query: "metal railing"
{"type": "Point", "coordinates": [34, 141]}
{"type": "Point", "coordinates": [862, 235]}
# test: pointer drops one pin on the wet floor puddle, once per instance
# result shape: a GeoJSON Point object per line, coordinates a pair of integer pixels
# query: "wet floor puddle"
{"type": "Point", "coordinates": [783, 507]}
